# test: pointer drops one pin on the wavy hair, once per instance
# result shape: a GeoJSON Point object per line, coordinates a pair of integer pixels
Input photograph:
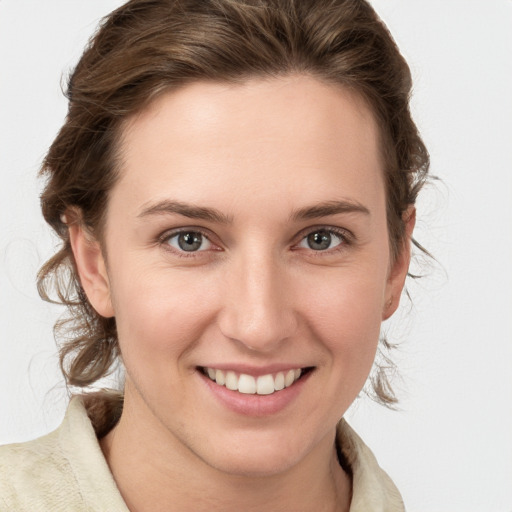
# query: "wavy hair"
{"type": "Point", "coordinates": [147, 47]}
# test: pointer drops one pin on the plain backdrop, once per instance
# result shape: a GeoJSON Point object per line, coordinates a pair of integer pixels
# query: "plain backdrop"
{"type": "Point", "coordinates": [449, 447]}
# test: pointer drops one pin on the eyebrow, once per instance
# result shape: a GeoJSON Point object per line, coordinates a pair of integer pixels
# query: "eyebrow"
{"type": "Point", "coordinates": [191, 211]}
{"type": "Point", "coordinates": [329, 208]}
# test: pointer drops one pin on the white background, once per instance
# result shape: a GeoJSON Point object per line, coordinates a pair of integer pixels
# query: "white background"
{"type": "Point", "coordinates": [449, 448]}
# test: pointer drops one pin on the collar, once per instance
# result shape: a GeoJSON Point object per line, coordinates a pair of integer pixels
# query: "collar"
{"type": "Point", "coordinates": [89, 417]}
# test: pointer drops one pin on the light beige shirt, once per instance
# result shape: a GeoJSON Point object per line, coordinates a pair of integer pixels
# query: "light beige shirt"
{"type": "Point", "coordinates": [65, 471]}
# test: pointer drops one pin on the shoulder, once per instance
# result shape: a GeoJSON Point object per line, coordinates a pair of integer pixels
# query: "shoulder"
{"type": "Point", "coordinates": [35, 475]}
{"type": "Point", "coordinates": [372, 488]}
{"type": "Point", "coordinates": [64, 470]}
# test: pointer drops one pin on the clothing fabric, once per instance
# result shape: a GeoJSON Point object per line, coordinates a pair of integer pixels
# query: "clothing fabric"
{"type": "Point", "coordinates": [66, 471]}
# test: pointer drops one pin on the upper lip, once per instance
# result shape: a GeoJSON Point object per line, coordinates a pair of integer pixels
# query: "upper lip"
{"type": "Point", "coordinates": [253, 370]}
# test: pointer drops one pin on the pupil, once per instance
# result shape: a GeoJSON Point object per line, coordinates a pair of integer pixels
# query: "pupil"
{"type": "Point", "coordinates": [190, 241]}
{"type": "Point", "coordinates": [319, 240]}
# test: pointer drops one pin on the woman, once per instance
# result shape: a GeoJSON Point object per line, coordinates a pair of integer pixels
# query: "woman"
{"type": "Point", "coordinates": [234, 187]}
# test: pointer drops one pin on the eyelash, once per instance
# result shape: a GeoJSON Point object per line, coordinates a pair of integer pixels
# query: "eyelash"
{"type": "Point", "coordinates": [164, 239]}
{"type": "Point", "coordinates": [346, 237]}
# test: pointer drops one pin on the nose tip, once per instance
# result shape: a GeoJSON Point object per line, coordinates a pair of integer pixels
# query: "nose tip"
{"type": "Point", "coordinates": [260, 331]}
{"type": "Point", "coordinates": [257, 310]}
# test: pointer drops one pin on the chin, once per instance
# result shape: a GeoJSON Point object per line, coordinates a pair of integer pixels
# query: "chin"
{"type": "Point", "coordinates": [260, 455]}
{"type": "Point", "coordinates": [252, 466]}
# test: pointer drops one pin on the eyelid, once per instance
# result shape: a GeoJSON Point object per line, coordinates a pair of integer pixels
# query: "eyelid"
{"type": "Point", "coordinates": [346, 235]}
{"type": "Point", "coordinates": [342, 232]}
{"type": "Point", "coordinates": [170, 233]}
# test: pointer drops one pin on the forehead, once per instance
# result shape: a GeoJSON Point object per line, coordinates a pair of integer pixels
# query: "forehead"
{"type": "Point", "coordinates": [282, 138]}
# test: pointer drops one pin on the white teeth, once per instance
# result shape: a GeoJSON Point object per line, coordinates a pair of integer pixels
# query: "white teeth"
{"type": "Point", "coordinates": [220, 378]}
{"type": "Point", "coordinates": [279, 381]}
{"type": "Point", "coordinates": [289, 378]}
{"type": "Point", "coordinates": [265, 385]}
{"type": "Point", "coordinates": [249, 385]}
{"type": "Point", "coordinates": [231, 381]}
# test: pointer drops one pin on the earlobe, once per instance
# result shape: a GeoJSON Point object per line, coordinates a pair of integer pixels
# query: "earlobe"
{"type": "Point", "coordinates": [91, 268]}
{"type": "Point", "coordinates": [400, 267]}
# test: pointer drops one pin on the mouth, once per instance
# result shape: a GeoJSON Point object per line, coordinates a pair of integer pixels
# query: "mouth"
{"type": "Point", "coordinates": [250, 385]}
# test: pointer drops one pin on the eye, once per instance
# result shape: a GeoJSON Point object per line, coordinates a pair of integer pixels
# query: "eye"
{"type": "Point", "coordinates": [189, 241]}
{"type": "Point", "coordinates": [321, 240]}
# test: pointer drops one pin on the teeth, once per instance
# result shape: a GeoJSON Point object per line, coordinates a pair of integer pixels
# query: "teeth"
{"type": "Point", "coordinates": [231, 381]}
{"type": "Point", "coordinates": [249, 385]}
{"type": "Point", "coordinates": [220, 378]}
{"type": "Point", "coordinates": [246, 384]}
{"type": "Point", "coordinates": [265, 385]}
{"type": "Point", "coordinates": [289, 378]}
{"type": "Point", "coordinates": [279, 381]}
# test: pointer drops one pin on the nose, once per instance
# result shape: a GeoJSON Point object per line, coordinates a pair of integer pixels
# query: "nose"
{"type": "Point", "coordinates": [257, 307]}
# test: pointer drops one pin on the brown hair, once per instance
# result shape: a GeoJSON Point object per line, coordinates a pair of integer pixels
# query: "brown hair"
{"type": "Point", "coordinates": [149, 46]}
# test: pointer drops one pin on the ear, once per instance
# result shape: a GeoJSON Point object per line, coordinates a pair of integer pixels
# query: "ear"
{"type": "Point", "coordinates": [400, 267]}
{"type": "Point", "coordinates": [91, 269]}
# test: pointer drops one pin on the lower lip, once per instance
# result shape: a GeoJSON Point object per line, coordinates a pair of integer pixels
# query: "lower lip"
{"type": "Point", "coordinates": [255, 405]}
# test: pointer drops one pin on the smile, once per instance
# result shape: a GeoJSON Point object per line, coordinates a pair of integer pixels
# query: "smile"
{"type": "Point", "coordinates": [250, 385]}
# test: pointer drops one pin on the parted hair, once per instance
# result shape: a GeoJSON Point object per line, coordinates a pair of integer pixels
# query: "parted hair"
{"type": "Point", "coordinates": [148, 47]}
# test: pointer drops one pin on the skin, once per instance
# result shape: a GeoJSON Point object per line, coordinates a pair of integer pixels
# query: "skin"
{"type": "Point", "coordinates": [256, 294]}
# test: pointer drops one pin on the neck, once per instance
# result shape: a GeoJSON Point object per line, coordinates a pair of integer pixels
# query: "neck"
{"type": "Point", "coordinates": [153, 471]}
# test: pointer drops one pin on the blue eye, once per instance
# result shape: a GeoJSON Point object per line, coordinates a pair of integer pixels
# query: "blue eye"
{"type": "Point", "coordinates": [189, 241]}
{"type": "Point", "coordinates": [321, 240]}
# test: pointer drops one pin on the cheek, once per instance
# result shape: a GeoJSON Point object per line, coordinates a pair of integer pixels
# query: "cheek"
{"type": "Point", "coordinates": [345, 314]}
{"type": "Point", "coordinates": [159, 316]}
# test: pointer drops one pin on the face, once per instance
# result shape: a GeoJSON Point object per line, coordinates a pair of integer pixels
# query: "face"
{"type": "Point", "coordinates": [248, 267]}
